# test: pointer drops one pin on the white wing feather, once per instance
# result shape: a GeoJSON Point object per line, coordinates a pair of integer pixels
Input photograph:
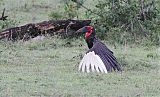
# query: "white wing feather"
{"type": "Point", "coordinates": [81, 63]}
{"type": "Point", "coordinates": [94, 61]}
{"type": "Point", "coordinates": [84, 63]}
{"type": "Point", "coordinates": [101, 64]}
{"type": "Point", "coordinates": [88, 62]}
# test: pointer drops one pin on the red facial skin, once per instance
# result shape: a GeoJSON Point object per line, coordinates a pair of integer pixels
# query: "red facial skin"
{"type": "Point", "coordinates": [90, 30]}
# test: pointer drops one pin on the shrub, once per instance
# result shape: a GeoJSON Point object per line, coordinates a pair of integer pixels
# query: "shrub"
{"type": "Point", "coordinates": [69, 11]}
{"type": "Point", "coordinates": [130, 20]}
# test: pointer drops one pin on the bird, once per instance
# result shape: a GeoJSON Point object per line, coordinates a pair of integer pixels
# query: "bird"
{"type": "Point", "coordinates": [99, 58]}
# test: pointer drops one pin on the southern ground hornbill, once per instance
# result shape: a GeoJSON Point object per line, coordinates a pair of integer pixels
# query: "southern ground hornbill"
{"type": "Point", "coordinates": [98, 58]}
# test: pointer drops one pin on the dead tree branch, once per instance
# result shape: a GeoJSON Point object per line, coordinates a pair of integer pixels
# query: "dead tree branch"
{"type": "Point", "coordinates": [51, 27]}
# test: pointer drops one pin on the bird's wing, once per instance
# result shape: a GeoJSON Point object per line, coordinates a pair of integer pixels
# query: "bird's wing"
{"type": "Point", "coordinates": [93, 62]}
{"type": "Point", "coordinates": [99, 58]}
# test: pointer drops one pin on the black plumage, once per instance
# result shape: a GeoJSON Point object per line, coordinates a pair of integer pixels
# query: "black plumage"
{"type": "Point", "coordinates": [106, 55]}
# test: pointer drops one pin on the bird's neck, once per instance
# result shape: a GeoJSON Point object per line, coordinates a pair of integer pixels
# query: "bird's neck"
{"type": "Point", "coordinates": [90, 41]}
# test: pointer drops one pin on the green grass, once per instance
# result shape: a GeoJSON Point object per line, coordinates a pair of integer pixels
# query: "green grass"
{"type": "Point", "coordinates": [36, 12]}
{"type": "Point", "coordinates": [49, 68]}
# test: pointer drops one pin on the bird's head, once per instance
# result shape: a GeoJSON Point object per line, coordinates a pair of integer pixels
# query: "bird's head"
{"type": "Point", "coordinates": [89, 31]}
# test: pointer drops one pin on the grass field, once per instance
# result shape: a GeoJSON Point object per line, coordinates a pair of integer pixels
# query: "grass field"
{"type": "Point", "coordinates": [32, 11]}
{"type": "Point", "coordinates": [29, 11]}
{"type": "Point", "coordinates": [49, 68]}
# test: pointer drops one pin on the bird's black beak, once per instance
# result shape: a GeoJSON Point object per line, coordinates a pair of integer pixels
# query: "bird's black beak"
{"type": "Point", "coordinates": [81, 30]}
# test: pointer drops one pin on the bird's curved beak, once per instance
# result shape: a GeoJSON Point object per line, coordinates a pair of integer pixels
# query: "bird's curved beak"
{"type": "Point", "coordinates": [80, 31]}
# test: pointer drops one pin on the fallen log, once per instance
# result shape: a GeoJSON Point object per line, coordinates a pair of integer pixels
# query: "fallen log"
{"type": "Point", "coordinates": [61, 27]}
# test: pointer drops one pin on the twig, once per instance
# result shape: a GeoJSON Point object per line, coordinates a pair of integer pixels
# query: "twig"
{"type": "Point", "coordinates": [86, 8]}
{"type": "Point", "coordinates": [3, 18]}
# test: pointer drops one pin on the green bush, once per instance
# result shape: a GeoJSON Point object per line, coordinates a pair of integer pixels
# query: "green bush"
{"type": "Point", "coordinates": [130, 21]}
{"type": "Point", "coordinates": [69, 10]}
{"type": "Point", "coordinates": [55, 15]}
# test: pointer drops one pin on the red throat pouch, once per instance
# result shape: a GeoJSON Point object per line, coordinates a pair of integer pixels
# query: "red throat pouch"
{"type": "Point", "coordinates": [87, 34]}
